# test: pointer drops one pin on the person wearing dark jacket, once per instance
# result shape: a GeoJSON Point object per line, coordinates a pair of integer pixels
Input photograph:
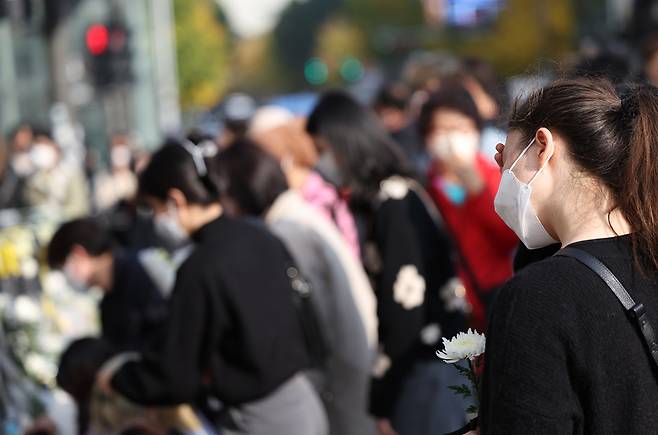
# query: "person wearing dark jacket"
{"type": "Point", "coordinates": [408, 257]}
{"type": "Point", "coordinates": [133, 311]}
{"type": "Point", "coordinates": [564, 356]}
{"type": "Point", "coordinates": [233, 331]}
{"type": "Point", "coordinates": [342, 294]}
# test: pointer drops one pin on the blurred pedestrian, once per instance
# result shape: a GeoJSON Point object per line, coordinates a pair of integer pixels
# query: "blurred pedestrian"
{"type": "Point", "coordinates": [409, 258]}
{"type": "Point", "coordinates": [101, 413]}
{"type": "Point", "coordinates": [11, 185]}
{"type": "Point", "coordinates": [483, 84]}
{"type": "Point", "coordinates": [237, 110]}
{"type": "Point", "coordinates": [256, 184]}
{"type": "Point", "coordinates": [233, 331]}
{"type": "Point", "coordinates": [119, 182]}
{"type": "Point", "coordinates": [57, 188]}
{"type": "Point", "coordinates": [392, 108]}
{"type": "Point", "coordinates": [463, 184]}
{"type": "Point", "coordinates": [294, 148]}
{"type": "Point", "coordinates": [564, 353]}
{"type": "Point", "coordinates": [20, 142]}
{"type": "Point", "coordinates": [133, 310]}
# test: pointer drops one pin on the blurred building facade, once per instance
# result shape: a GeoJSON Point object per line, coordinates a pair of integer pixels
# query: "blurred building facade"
{"type": "Point", "coordinates": [91, 67]}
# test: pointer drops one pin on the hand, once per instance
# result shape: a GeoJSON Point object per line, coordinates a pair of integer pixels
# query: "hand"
{"type": "Point", "coordinates": [499, 155]}
{"type": "Point", "coordinates": [473, 432]}
{"type": "Point", "coordinates": [384, 427]}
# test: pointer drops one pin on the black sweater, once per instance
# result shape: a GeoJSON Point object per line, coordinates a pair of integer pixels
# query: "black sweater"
{"type": "Point", "coordinates": [133, 313]}
{"type": "Point", "coordinates": [232, 327]}
{"type": "Point", "coordinates": [562, 355]}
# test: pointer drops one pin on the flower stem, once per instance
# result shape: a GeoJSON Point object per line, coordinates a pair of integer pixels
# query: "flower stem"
{"type": "Point", "coordinates": [474, 381]}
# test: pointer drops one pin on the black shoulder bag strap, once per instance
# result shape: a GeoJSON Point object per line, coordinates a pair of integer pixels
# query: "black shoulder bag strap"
{"type": "Point", "coordinates": [636, 310]}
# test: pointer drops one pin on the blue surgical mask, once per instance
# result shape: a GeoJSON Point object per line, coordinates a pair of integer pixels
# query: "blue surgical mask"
{"type": "Point", "coordinates": [455, 193]}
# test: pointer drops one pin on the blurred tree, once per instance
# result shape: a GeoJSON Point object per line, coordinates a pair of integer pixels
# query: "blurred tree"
{"type": "Point", "coordinates": [202, 48]}
{"type": "Point", "coordinates": [256, 66]}
{"type": "Point", "coordinates": [338, 41]}
{"type": "Point", "coordinates": [527, 34]}
{"type": "Point", "coordinates": [295, 34]}
{"type": "Point", "coordinates": [373, 15]}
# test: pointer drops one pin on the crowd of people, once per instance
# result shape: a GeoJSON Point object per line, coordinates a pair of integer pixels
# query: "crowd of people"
{"type": "Point", "coordinates": [325, 257]}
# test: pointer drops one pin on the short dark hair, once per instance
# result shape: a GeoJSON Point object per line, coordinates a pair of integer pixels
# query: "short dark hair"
{"type": "Point", "coordinates": [456, 98]}
{"type": "Point", "coordinates": [172, 167]}
{"type": "Point", "coordinates": [86, 232]}
{"type": "Point", "coordinates": [395, 95]}
{"type": "Point", "coordinates": [78, 368]}
{"type": "Point", "coordinates": [251, 177]}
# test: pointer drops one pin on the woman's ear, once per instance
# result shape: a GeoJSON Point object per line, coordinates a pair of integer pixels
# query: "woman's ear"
{"type": "Point", "coordinates": [546, 143]}
{"type": "Point", "coordinates": [178, 198]}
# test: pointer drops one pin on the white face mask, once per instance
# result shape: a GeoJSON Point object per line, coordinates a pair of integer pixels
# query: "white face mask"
{"type": "Point", "coordinates": [454, 144]}
{"type": "Point", "coordinates": [44, 156]}
{"type": "Point", "coordinates": [71, 275]}
{"type": "Point", "coordinates": [513, 205]}
{"type": "Point", "coordinates": [169, 229]}
{"type": "Point", "coordinates": [121, 156]}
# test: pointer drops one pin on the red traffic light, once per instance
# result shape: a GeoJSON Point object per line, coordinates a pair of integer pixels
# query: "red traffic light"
{"type": "Point", "coordinates": [98, 39]}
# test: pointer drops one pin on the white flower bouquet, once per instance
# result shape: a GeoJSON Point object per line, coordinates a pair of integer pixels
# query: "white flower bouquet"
{"type": "Point", "coordinates": [468, 346]}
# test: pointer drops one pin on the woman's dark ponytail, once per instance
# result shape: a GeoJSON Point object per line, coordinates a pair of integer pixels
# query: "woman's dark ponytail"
{"type": "Point", "coordinates": [638, 195]}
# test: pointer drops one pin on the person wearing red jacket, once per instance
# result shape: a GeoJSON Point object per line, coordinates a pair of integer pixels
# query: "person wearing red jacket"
{"type": "Point", "coordinates": [463, 184]}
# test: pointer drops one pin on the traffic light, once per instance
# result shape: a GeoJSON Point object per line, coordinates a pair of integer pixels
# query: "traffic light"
{"type": "Point", "coordinates": [109, 55]}
{"type": "Point", "coordinates": [97, 39]}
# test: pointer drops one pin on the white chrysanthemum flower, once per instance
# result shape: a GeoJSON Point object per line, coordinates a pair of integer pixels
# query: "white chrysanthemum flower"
{"type": "Point", "coordinates": [453, 295]}
{"type": "Point", "coordinates": [409, 288]}
{"type": "Point", "coordinates": [29, 268]}
{"type": "Point", "coordinates": [393, 188]}
{"type": "Point", "coordinates": [462, 346]}
{"type": "Point", "coordinates": [40, 368]}
{"type": "Point", "coordinates": [430, 334]}
{"type": "Point", "coordinates": [26, 310]}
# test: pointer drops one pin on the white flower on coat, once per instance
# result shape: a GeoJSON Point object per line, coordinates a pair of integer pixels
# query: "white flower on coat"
{"type": "Point", "coordinates": [393, 188]}
{"type": "Point", "coordinates": [454, 298]}
{"type": "Point", "coordinates": [382, 365]}
{"type": "Point", "coordinates": [430, 334]}
{"type": "Point", "coordinates": [464, 345]}
{"type": "Point", "coordinates": [409, 288]}
{"type": "Point", "coordinates": [26, 310]}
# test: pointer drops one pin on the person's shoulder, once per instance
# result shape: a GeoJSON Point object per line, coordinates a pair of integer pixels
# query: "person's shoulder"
{"type": "Point", "coordinates": [548, 285]}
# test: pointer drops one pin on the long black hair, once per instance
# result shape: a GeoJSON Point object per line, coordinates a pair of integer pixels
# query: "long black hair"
{"type": "Point", "coordinates": [173, 167]}
{"type": "Point", "coordinates": [364, 152]}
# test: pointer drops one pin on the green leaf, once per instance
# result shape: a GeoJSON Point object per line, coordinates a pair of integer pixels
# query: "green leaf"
{"type": "Point", "coordinates": [472, 409]}
{"type": "Point", "coordinates": [463, 390]}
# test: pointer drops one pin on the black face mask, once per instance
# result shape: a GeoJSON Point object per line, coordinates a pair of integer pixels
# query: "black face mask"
{"type": "Point", "coordinates": [328, 168]}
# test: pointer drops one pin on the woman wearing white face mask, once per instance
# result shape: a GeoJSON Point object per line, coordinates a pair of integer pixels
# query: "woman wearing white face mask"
{"type": "Point", "coordinates": [233, 331]}
{"type": "Point", "coordinates": [463, 184]}
{"type": "Point", "coordinates": [567, 351]}
{"type": "Point", "coordinates": [56, 188]}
